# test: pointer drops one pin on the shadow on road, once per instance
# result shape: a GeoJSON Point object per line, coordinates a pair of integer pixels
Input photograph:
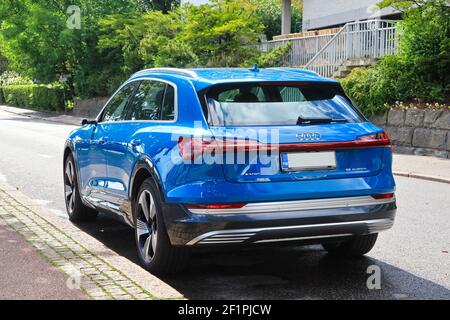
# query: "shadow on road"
{"type": "Point", "coordinates": [275, 272]}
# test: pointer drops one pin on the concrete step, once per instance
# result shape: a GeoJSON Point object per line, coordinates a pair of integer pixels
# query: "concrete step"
{"type": "Point", "coordinates": [359, 62]}
{"type": "Point", "coordinates": [351, 64]}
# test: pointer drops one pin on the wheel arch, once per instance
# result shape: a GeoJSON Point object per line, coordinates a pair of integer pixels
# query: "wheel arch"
{"type": "Point", "coordinates": [68, 149]}
{"type": "Point", "coordinates": [143, 170]}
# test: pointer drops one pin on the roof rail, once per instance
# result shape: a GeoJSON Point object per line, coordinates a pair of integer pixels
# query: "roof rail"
{"type": "Point", "coordinates": [181, 72]}
{"type": "Point", "coordinates": [296, 70]}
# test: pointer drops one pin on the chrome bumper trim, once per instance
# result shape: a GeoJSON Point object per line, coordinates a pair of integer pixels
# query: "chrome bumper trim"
{"type": "Point", "coordinates": [243, 235]}
{"type": "Point", "coordinates": [286, 206]}
{"type": "Point", "coordinates": [305, 238]}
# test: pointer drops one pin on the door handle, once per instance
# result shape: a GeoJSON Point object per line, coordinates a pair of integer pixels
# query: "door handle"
{"type": "Point", "coordinates": [103, 140]}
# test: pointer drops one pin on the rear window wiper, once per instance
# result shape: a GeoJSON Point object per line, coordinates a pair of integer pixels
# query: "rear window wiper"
{"type": "Point", "coordinates": [303, 121]}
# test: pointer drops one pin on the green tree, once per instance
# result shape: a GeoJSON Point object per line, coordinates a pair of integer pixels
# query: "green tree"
{"type": "Point", "coordinates": [223, 33]}
{"type": "Point", "coordinates": [38, 43]}
{"type": "Point", "coordinates": [135, 42]}
{"type": "Point", "coordinates": [159, 5]}
{"type": "Point", "coordinates": [270, 12]}
{"type": "Point", "coordinates": [120, 37]}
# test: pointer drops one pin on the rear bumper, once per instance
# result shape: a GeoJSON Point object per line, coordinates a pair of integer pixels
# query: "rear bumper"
{"type": "Point", "coordinates": [311, 221]}
{"type": "Point", "coordinates": [293, 233]}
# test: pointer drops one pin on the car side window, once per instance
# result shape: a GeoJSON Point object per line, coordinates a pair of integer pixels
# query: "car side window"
{"type": "Point", "coordinates": [116, 108]}
{"type": "Point", "coordinates": [147, 101]}
{"type": "Point", "coordinates": [168, 110]}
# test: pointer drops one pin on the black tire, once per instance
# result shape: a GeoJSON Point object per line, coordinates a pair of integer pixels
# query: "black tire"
{"type": "Point", "coordinates": [355, 247]}
{"type": "Point", "coordinates": [156, 253]}
{"type": "Point", "coordinates": [76, 210]}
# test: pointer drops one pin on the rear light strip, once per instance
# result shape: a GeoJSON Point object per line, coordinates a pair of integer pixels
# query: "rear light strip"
{"type": "Point", "coordinates": [190, 148]}
{"type": "Point", "coordinates": [384, 196]}
{"type": "Point", "coordinates": [217, 206]}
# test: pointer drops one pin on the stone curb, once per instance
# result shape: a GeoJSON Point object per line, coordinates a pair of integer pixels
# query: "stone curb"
{"type": "Point", "coordinates": [422, 176]}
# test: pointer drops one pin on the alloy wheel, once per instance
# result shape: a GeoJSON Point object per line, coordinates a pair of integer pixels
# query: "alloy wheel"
{"type": "Point", "coordinates": [146, 226]}
{"type": "Point", "coordinates": [70, 186]}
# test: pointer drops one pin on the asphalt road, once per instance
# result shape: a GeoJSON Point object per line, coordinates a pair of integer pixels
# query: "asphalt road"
{"type": "Point", "coordinates": [414, 257]}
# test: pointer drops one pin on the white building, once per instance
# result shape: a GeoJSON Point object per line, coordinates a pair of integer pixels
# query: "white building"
{"type": "Point", "coordinates": [320, 14]}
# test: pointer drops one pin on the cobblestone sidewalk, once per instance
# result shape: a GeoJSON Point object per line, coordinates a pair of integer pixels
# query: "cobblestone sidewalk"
{"type": "Point", "coordinates": [98, 279]}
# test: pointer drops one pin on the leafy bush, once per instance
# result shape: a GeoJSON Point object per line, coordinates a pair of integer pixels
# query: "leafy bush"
{"type": "Point", "coordinates": [374, 87]}
{"type": "Point", "coordinates": [33, 96]}
{"type": "Point", "coordinates": [425, 49]}
{"type": "Point", "coordinates": [9, 78]}
{"type": "Point", "coordinates": [177, 54]}
{"type": "Point", "coordinates": [419, 72]}
{"type": "Point", "coordinates": [273, 58]}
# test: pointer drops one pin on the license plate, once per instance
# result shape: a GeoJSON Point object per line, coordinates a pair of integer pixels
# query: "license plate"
{"type": "Point", "coordinates": [308, 161]}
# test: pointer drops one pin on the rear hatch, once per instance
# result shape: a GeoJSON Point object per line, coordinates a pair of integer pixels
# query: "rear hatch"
{"type": "Point", "coordinates": [296, 131]}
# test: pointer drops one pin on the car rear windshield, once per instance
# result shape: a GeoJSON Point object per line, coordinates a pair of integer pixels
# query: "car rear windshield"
{"type": "Point", "coordinates": [278, 104]}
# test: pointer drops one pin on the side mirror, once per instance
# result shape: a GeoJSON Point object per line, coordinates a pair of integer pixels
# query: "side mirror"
{"type": "Point", "coordinates": [85, 122]}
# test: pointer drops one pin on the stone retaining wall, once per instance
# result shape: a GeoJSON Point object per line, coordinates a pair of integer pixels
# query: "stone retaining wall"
{"type": "Point", "coordinates": [89, 108]}
{"type": "Point", "coordinates": [420, 132]}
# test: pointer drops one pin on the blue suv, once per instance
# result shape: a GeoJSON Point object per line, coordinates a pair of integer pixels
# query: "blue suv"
{"type": "Point", "coordinates": [227, 157]}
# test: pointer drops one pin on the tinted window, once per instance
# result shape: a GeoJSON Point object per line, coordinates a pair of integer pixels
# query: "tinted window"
{"type": "Point", "coordinates": [255, 94]}
{"type": "Point", "coordinates": [147, 102]}
{"type": "Point", "coordinates": [115, 110]}
{"type": "Point", "coordinates": [168, 112]}
{"type": "Point", "coordinates": [277, 105]}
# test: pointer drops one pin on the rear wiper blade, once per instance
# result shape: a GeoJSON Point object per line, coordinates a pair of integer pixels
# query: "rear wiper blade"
{"type": "Point", "coordinates": [303, 121]}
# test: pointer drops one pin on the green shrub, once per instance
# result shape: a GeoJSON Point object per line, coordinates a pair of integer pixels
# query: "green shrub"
{"type": "Point", "coordinates": [372, 88]}
{"type": "Point", "coordinates": [10, 78]}
{"type": "Point", "coordinates": [176, 54]}
{"type": "Point", "coordinates": [419, 72]}
{"type": "Point", "coordinates": [36, 97]}
{"type": "Point", "coordinates": [275, 57]}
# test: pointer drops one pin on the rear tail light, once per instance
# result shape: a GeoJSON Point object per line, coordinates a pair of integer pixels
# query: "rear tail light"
{"type": "Point", "coordinates": [384, 196]}
{"type": "Point", "coordinates": [217, 206]}
{"type": "Point", "coordinates": [193, 147]}
{"type": "Point", "coordinates": [379, 139]}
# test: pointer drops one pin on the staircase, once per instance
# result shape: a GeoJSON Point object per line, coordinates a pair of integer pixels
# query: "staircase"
{"type": "Point", "coordinates": [347, 67]}
{"type": "Point", "coordinates": [356, 44]}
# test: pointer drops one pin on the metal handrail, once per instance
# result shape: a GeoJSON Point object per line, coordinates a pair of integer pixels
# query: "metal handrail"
{"type": "Point", "coordinates": [344, 29]}
{"type": "Point", "coordinates": [325, 54]}
{"type": "Point", "coordinates": [325, 47]}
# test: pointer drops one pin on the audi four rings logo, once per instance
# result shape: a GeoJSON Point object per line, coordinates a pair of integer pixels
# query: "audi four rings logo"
{"type": "Point", "coordinates": [309, 136]}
